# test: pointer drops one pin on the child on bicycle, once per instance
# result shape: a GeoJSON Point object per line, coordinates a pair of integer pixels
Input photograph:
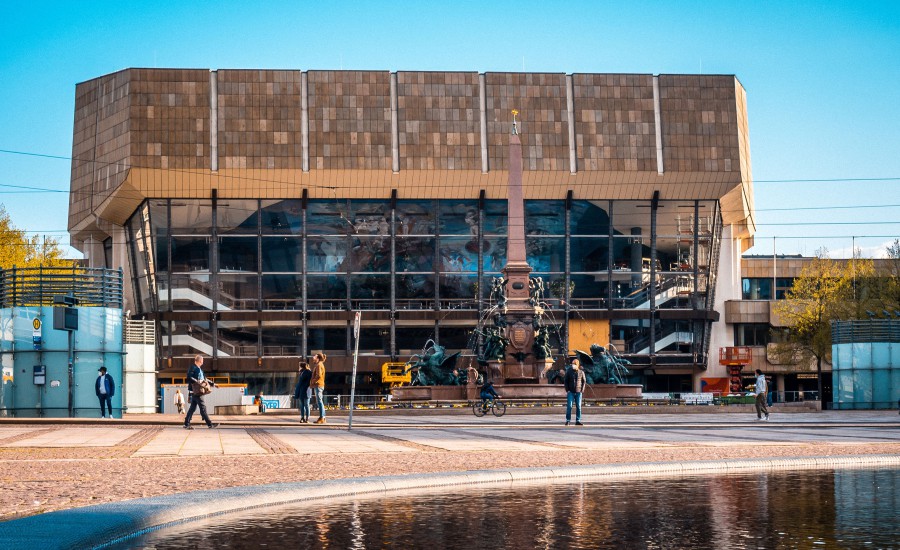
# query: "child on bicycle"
{"type": "Point", "coordinates": [488, 393]}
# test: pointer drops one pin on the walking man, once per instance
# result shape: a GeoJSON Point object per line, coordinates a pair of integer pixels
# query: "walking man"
{"type": "Point", "coordinates": [105, 388]}
{"type": "Point", "coordinates": [317, 383]}
{"type": "Point", "coordinates": [194, 377]}
{"type": "Point", "coordinates": [575, 382]}
{"type": "Point", "coordinates": [761, 390]}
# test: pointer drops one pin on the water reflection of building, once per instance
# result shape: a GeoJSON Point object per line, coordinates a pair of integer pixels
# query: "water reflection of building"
{"type": "Point", "coordinates": [254, 210]}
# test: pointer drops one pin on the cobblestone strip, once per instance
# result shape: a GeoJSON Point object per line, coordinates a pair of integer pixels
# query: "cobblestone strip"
{"type": "Point", "coordinates": [270, 442]}
{"type": "Point", "coordinates": [28, 435]}
{"type": "Point", "coordinates": [134, 443]}
{"type": "Point", "coordinates": [402, 442]}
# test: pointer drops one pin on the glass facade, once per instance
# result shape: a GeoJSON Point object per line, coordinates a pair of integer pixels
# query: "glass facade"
{"type": "Point", "coordinates": [215, 273]}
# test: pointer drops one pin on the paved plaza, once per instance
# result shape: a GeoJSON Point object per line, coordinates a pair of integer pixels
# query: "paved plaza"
{"type": "Point", "coordinates": [51, 465]}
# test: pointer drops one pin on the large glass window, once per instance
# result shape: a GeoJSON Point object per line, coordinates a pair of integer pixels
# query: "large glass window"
{"type": "Point", "coordinates": [282, 291]}
{"type": "Point", "coordinates": [284, 254]}
{"type": "Point", "coordinates": [496, 216]}
{"type": "Point", "coordinates": [190, 253]}
{"type": "Point", "coordinates": [544, 217]}
{"type": "Point", "coordinates": [238, 340]}
{"type": "Point", "coordinates": [282, 217]}
{"type": "Point", "coordinates": [237, 217]}
{"type": "Point", "coordinates": [328, 217]}
{"type": "Point", "coordinates": [377, 339]}
{"type": "Point", "coordinates": [412, 339]}
{"type": "Point", "coordinates": [459, 217]}
{"type": "Point", "coordinates": [415, 217]}
{"type": "Point", "coordinates": [238, 291]}
{"type": "Point", "coordinates": [590, 217]}
{"type": "Point", "coordinates": [327, 254]}
{"type": "Point", "coordinates": [494, 253]}
{"type": "Point", "coordinates": [369, 254]}
{"type": "Point", "coordinates": [457, 289]}
{"type": "Point", "coordinates": [457, 338]}
{"type": "Point", "coordinates": [328, 339]}
{"type": "Point", "coordinates": [325, 291]}
{"type": "Point", "coordinates": [415, 291]}
{"type": "Point", "coordinates": [751, 334]}
{"type": "Point", "coordinates": [589, 253]}
{"type": "Point", "coordinates": [546, 253]}
{"type": "Point", "coordinates": [415, 254]}
{"type": "Point", "coordinates": [459, 254]}
{"type": "Point", "coordinates": [238, 254]}
{"type": "Point", "coordinates": [281, 341]}
{"type": "Point", "coordinates": [191, 216]}
{"type": "Point", "coordinates": [370, 291]}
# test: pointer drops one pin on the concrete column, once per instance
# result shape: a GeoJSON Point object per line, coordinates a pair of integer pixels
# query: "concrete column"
{"type": "Point", "coordinates": [304, 120]}
{"type": "Point", "coordinates": [657, 116]}
{"type": "Point", "coordinates": [395, 127]}
{"type": "Point", "coordinates": [213, 121]}
{"type": "Point", "coordinates": [482, 102]}
{"type": "Point", "coordinates": [570, 108]}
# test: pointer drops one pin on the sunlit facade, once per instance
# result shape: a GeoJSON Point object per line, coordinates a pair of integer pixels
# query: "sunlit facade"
{"type": "Point", "coordinates": [255, 211]}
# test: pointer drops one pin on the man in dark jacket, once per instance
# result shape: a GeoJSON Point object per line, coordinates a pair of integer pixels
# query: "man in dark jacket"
{"type": "Point", "coordinates": [106, 388]}
{"type": "Point", "coordinates": [575, 382]}
{"type": "Point", "coordinates": [194, 376]}
{"type": "Point", "coordinates": [301, 391]}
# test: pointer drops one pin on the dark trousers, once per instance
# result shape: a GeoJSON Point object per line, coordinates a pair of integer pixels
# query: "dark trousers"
{"type": "Point", "coordinates": [105, 398]}
{"type": "Point", "coordinates": [761, 408]}
{"type": "Point", "coordinates": [197, 401]}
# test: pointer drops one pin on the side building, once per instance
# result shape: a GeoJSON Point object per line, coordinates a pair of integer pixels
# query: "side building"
{"type": "Point", "coordinates": [757, 328]}
{"type": "Point", "coordinates": [253, 211]}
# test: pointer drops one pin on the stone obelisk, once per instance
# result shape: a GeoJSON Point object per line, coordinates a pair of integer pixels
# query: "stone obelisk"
{"type": "Point", "coordinates": [519, 363]}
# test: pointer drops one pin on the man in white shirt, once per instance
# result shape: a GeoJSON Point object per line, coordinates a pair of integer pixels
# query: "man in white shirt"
{"type": "Point", "coordinates": [761, 389]}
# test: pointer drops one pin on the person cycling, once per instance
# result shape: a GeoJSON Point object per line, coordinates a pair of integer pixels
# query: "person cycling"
{"type": "Point", "coordinates": [488, 393]}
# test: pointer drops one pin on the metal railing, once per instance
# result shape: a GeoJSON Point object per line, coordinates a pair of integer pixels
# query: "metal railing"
{"type": "Point", "coordinates": [140, 332]}
{"type": "Point", "coordinates": [865, 331]}
{"type": "Point", "coordinates": [36, 286]}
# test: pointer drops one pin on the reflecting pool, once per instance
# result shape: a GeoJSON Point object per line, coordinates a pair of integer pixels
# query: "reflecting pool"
{"type": "Point", "coordinates": [850, 508]}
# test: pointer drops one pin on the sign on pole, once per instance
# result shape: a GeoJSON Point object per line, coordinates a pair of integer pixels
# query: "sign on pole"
{"type": "Point", "coordinates": [36, 333]}
{"type": "Point", "coordinates": [356, 321]}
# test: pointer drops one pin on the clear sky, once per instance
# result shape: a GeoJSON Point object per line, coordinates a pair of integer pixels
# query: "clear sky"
{"type": "Point", "coordinates": [822, 81]}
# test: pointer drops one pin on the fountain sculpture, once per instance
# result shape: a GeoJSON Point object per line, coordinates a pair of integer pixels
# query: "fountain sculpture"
{"type": "Point", "coordinates": [516, 353]}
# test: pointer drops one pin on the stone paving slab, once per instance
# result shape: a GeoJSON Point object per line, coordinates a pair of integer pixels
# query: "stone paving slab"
{"type": "Point", "coordinates": [458, 440]}
{"type": "Point", "coordinates": [99, 436]}
{"type": "Point", "coordinates": [315, 441]}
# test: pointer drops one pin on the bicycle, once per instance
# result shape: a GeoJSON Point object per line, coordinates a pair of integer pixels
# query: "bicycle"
{"type": "Point", "coordinates": [497, 407]}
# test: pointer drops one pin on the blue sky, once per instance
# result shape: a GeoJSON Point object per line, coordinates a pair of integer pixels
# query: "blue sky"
{"type": "Point", "coordinates": [822, 80]}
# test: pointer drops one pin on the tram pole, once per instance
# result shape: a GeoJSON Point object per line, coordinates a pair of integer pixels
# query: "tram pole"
{"type": "Point", "coordinates": [356, 321]}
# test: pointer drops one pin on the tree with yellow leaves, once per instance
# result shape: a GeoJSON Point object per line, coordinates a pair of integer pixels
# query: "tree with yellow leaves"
{"type": "Point", "coordinates": [824, 292]}
{"type": "Point", "coordinates": [19, 250]}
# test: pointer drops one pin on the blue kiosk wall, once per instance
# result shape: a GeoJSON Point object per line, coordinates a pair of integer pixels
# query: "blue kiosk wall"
{"type": "Point", "coordinates": [865, 358]}
{"type": "Point", "coordinates": [97, 343]}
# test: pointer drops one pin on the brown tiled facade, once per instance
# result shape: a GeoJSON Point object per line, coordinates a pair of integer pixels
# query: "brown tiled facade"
{"type": "Point", "coordinates": [350, 120]}
{"type": "Point", "coordinates": [614, 122]}
{"type": "Point", "coordinates": [145, 133]}
{"type": "Point", "coordinates": [439, 121]}
{"type": "Point", "coordinates": [259, 119]}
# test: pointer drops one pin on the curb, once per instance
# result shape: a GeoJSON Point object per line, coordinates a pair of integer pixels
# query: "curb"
{"type": "Point", "coordinates": [105, 524]}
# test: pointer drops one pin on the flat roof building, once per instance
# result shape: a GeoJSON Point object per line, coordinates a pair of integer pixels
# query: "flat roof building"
{"type": "Point", "coordinates": [254, 210]}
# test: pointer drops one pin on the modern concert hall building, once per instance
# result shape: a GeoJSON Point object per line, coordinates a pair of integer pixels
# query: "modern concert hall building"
{"type": "Point", "coordinates": [254, 211]}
